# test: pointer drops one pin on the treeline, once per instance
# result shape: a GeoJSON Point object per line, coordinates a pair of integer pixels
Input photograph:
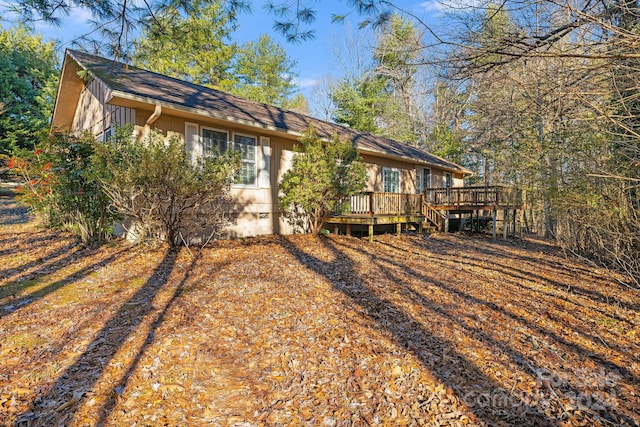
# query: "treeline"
{"type": "Point", "coordinates": [536, 95]}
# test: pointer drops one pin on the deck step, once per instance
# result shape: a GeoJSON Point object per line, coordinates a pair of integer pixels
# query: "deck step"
{"type": "Point", "coordinates": [428, 227]}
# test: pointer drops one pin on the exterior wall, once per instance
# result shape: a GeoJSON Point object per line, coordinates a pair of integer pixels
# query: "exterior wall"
{"type": "Point", "coordinates": [374, 173]}
{"type": "Point", "coordinates": [94, 115]}
{"type": "Point", "coordinates": [254, 210]}
{"type": "Point", "coordinates": [407, 175]}
{"type": "Point", "coordinates": [438, 179]}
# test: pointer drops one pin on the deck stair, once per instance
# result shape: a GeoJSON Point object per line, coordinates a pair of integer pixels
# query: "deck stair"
{"type": "Point", "coordinates": [433, 217]}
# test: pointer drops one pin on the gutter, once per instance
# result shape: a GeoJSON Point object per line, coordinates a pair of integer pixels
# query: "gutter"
{"type": "Point", "coordinates": [151, 120]}
{"type": "Point", "coordinates": [206, 113]}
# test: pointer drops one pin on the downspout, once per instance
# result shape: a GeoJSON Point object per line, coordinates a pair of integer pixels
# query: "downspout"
{"type": "Point", "coordinates": [151, 120]}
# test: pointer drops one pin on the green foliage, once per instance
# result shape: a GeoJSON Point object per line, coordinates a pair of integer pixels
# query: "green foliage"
{"type": "Point", "coordinates": [195, 48]}
{"type": "Point", "coordinates": [382, 99]}
{"type": "Point", "coordinates": [59, 183]}
{"type": "Point", "coordinates": [198, 48]}
{"type": "Point", "coordinates": [322, 177]}
{"type": "Point", "coordinates": [359, 103]}
{"type": "Point", "coordinates": [448, 144]}
{"type": "Point", "coordinates": [155, 183]}
{"type": "Point", "coordinates": [263, 72]}
{"type": "Point", "coordinates": [28, 83]}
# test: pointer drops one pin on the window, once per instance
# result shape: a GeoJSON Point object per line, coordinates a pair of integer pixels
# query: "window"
{"type": "Point", "coordinates": [423, 179]}
{"type": "Point", "coordinates": [105, 135]}
{"type": "Point", "coordinates": [246, 146]}
{"type": "Point", "coordinates": [390, 180]}
{"type": "Point", "coordinates": [447, 180]}
{"type": "Point", "coordinates": [426, 178]}
{"type": "Point", "coordinates": [214, 142]}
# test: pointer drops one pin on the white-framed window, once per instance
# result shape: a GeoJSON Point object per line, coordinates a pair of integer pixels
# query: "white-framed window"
{"type": "Point", "coordinates": [423, 179]}
{"type": "Point", "coordinates": [246, 146]}
{"type": "Point", "coordinates": [448, 182]}
{"type": "Point", "coordinates": [390, 180]}
{"type": "Point", "coordinates": [214, 142]}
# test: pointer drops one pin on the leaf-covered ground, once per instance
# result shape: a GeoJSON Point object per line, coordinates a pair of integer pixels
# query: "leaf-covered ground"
{"type": "Point", "coordinates": [317, 331]}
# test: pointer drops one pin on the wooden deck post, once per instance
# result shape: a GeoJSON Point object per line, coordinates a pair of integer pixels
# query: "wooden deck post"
{"type": "Point", "coordinates": [446, 221]}
{"type": "Point", "coordinates": [399, 229]}
{"type": "Point", "coordinates": [348, 230]}
{"type": "Point", "coordinates": [494, 214]}
{"type": "Point", "coordinates": [420, 229]}
{"type": "Point", "coordinates": [372, 209]}
{"type": "Point", "coordinates": [371, 233]}
{"type": "Point", "coordinates": [460, 224]}
{"type": "Point", "coordinates": [506, 224]}
{"type": "Point", "coordinates": [514, 222]}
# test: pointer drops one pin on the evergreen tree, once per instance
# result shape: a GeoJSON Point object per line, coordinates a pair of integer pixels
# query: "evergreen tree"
{"type": "Point", "coordinates": [263, 72]}
{"type": "Point", "coordinates": [321, 178]}
{"type": "Point", "coordinates": [28, 83]}
{"type": "Point", "coordinates": [195, 48]}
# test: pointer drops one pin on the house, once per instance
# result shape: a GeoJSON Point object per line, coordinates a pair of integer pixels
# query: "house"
{"type": "Point", "coordinates": [96, 94]}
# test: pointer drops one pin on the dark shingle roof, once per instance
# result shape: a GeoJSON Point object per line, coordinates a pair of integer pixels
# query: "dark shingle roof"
{"type": "Point", "coordinates": [147, 84]}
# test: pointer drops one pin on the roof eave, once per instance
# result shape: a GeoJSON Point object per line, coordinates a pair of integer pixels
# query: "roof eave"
{"type": "Point", "coordinates": [384, 154]}
{"type": "Point", "coordinates": [117, 95]}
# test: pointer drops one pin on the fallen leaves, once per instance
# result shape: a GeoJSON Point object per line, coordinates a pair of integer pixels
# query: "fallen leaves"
{"type": "Point", "coordinates": [302, 330]}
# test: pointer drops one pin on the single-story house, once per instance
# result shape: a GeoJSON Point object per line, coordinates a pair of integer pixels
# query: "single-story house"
{"type": "Point", "coordinates": [108, 93]}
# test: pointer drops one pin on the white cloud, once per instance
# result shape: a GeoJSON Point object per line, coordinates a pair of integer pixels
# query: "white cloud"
{"type": "Point", "coordinates": [80, 15]}
{"type": "Point", "coordinates": [441, 6]}
{"type": "Point", "coordinates": [306, 82]}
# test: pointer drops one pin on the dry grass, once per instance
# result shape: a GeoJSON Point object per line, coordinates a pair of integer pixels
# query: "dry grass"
{"type": "Point", "coordinates": [300, 330]}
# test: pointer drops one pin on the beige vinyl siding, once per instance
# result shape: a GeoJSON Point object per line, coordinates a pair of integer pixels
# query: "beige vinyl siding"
{"type": "Point", "coordinates": [375, 166]}
{"type": "Point", "coordinates": [254, 210]}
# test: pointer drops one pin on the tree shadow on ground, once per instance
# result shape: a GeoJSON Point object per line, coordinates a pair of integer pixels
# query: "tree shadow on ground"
{"type": "Point", "coordinates": [159, 319]}
{"type": "Point", "coordinates": [542, 264]}
{"type": "Point", "coordinates": [82, 377]}
{"type": "Point", "coordinates": [454, 370]}
{"type": "Point", "coordinates": [48, 263]}
{"type": "Point", "coordinates": [23, 301]}
{"type": "Point", "coordinates": [33, 242]}
{"type": "Point", "coordinates": [11, 212]}
{"type": "Point", "coordinates": [605, 359]}
{"type": "Point", "coordinates": [445, 262]}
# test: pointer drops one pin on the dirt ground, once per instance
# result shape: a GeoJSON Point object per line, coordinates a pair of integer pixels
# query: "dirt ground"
{"type": "Point", "coordinates": [311, 331]}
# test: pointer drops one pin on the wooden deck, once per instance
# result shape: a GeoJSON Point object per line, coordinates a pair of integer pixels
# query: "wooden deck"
{"type": "Point", "coordinates": [432, 207]}
{"type": "Point", "coordinates": [468, 199]}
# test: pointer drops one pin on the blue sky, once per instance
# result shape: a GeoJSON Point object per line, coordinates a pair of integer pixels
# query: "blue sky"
{"type": "Point", "coordinates": [315, 57]}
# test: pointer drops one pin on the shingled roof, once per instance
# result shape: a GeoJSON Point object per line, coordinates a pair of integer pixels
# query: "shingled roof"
{"type": "Point", "coordinates": [154, 87]}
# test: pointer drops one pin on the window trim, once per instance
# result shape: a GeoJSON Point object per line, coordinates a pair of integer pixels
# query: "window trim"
{"type": "Point", "coordinates": [421, 187]}
{"type": "Point", "coordinates": [256, 182]}
{"type": "Point", "coordinates": [448, 180]}
{"type": "Point", "coordinates": [201, 136]}
{"type": "Point", "coordinates": [385, 170]}
{"type": "Point", "coordinates": [264, 162]}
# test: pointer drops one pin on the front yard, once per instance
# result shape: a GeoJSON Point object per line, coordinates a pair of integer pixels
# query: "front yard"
{"type": "Point", "coordinates": [300, 330]}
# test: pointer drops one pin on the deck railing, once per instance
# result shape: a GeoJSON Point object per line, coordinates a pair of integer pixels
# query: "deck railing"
{"type": "Point", "coordinates": [493, 195]}
{"type": "Point", "coordinates": [373, 203]}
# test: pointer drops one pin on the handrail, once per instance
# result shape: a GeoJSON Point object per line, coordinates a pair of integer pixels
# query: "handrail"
{"type": "Point", "coordinates": [376, 203]}
{"type": "Point", "coordinates": [493, 195]}
{"type": "Point", "coordinates": [379, 203]}
{"type": "Point", "coordinates": [434, 216]}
